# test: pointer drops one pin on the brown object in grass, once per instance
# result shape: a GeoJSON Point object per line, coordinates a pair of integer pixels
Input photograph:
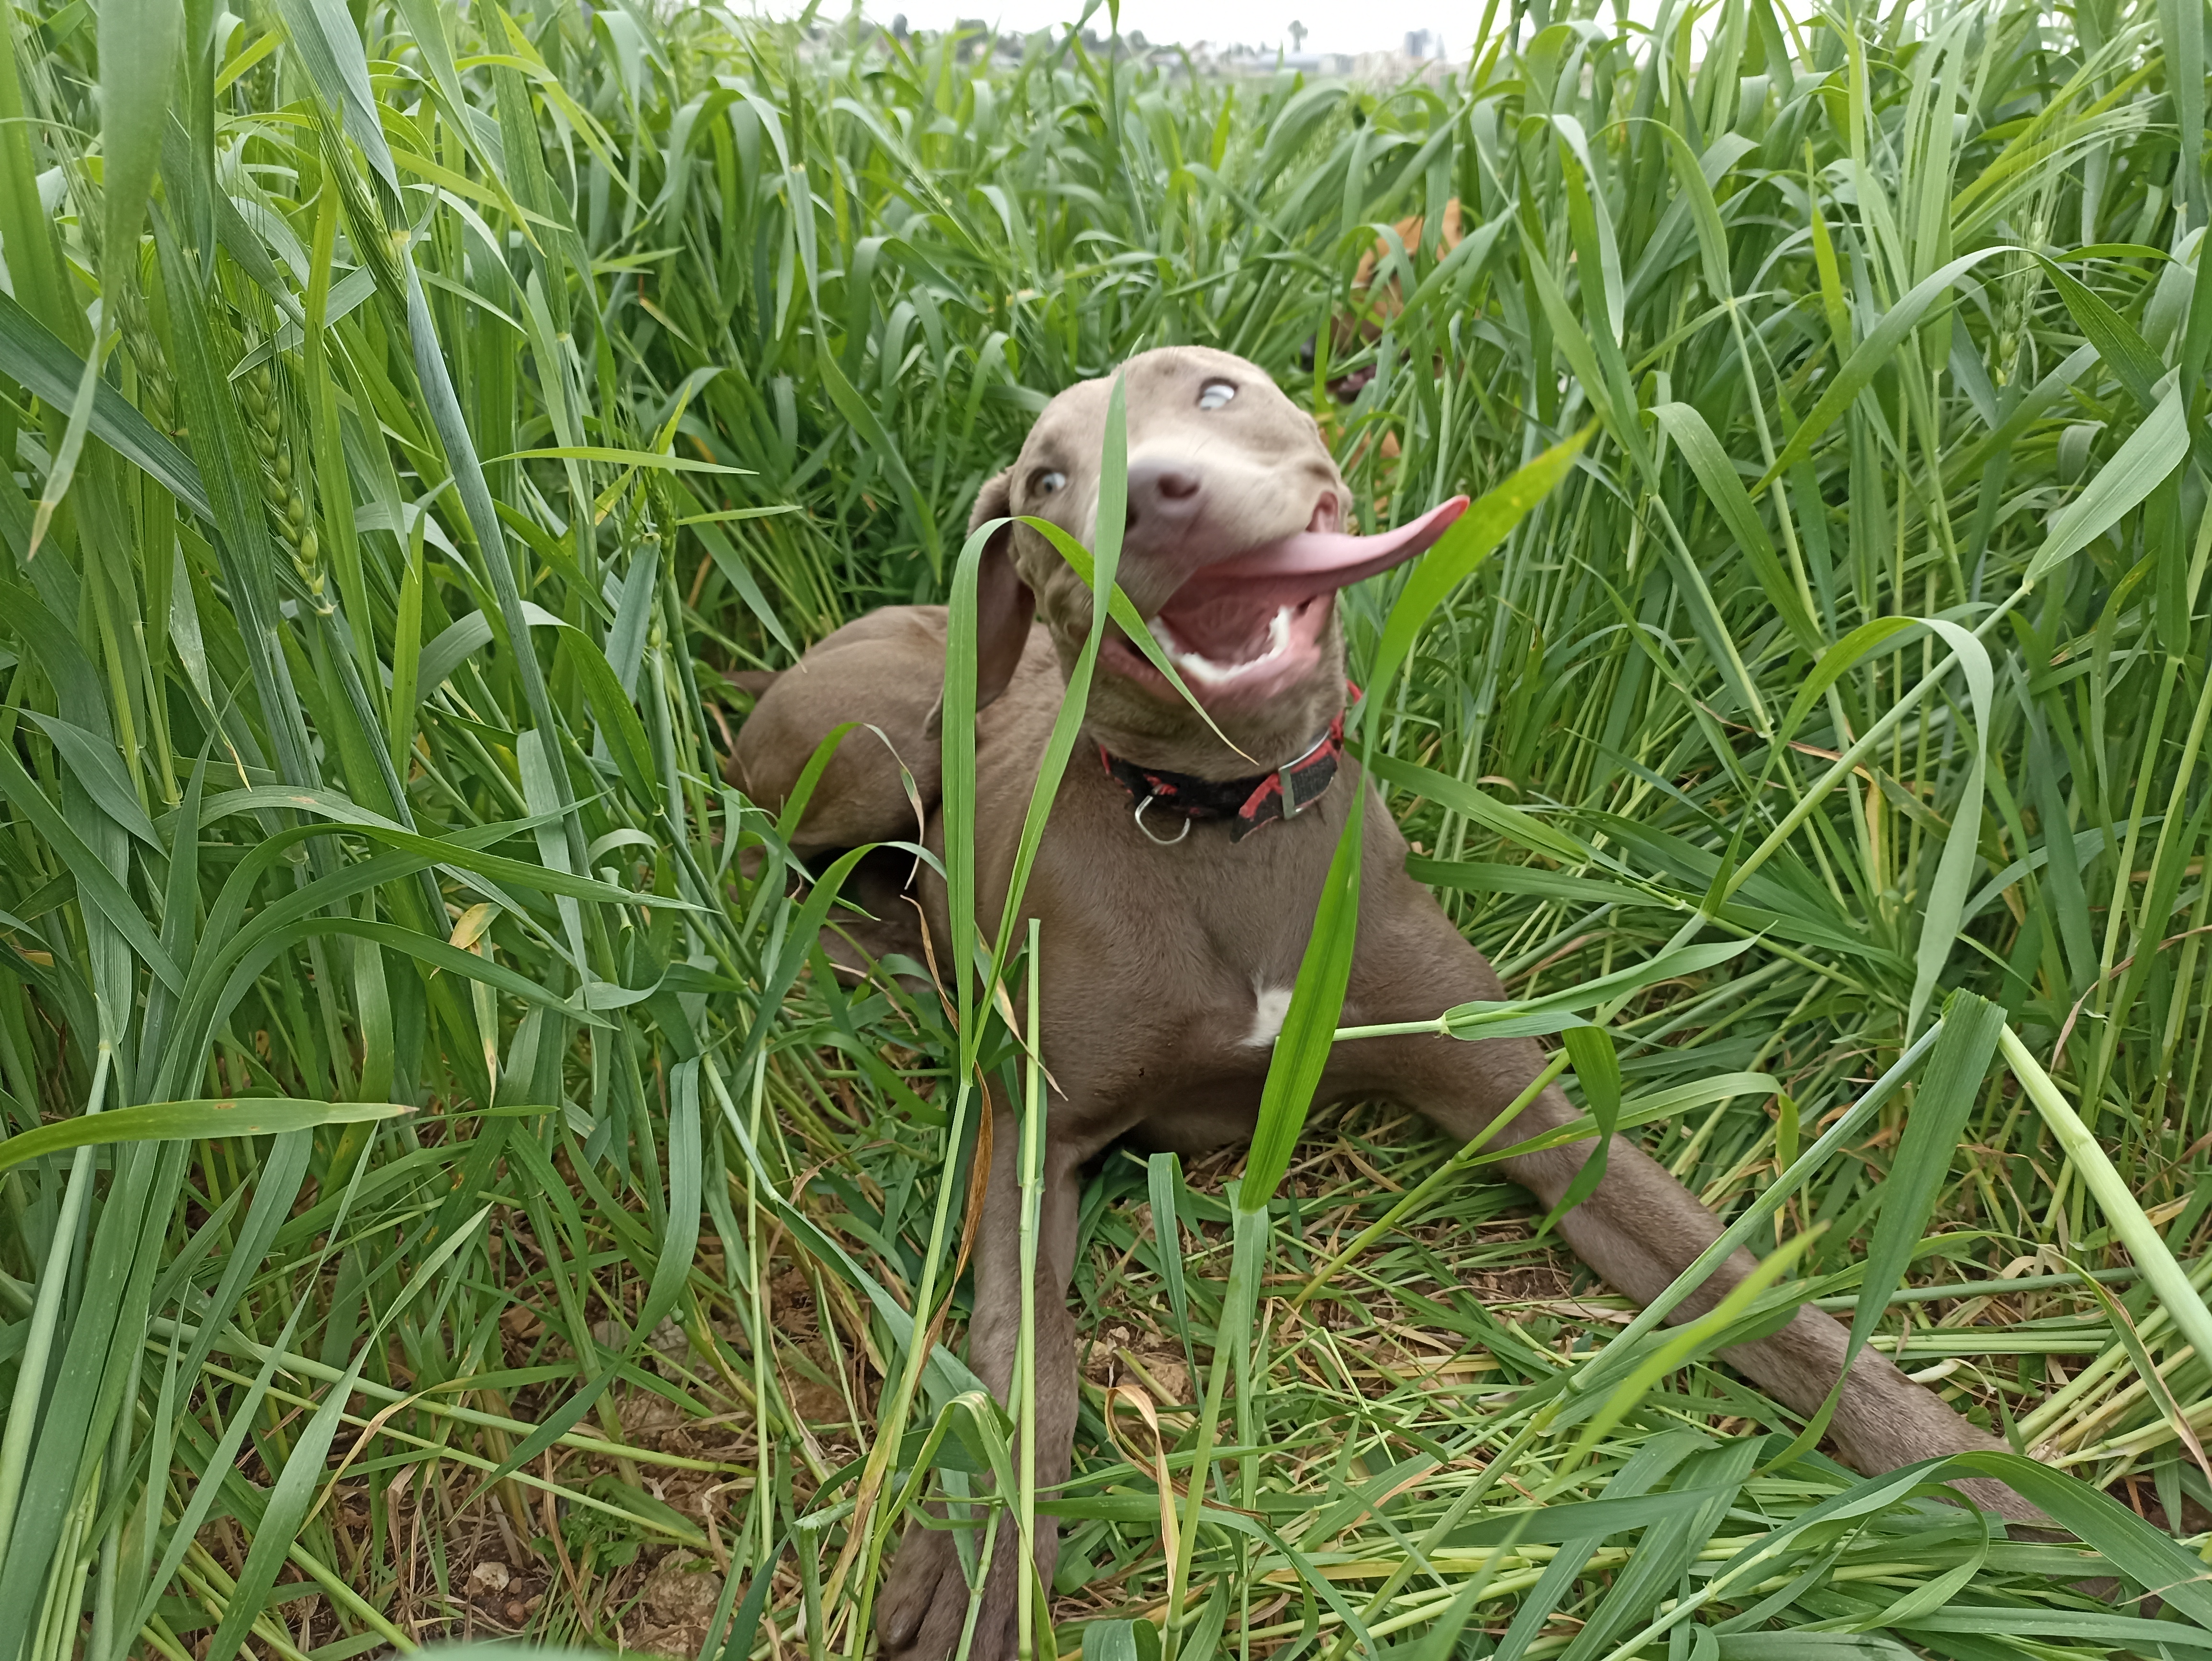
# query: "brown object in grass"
{"type": "Point", "coordinates": [1372, 309]}
{"type": "Point", "coordinates": [1171, 937]}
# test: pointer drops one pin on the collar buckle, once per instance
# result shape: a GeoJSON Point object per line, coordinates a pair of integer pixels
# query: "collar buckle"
{"type": "Point", "coordinates": [1304, 784]}
{"type": "Point", "coordinates": [1303, 788]}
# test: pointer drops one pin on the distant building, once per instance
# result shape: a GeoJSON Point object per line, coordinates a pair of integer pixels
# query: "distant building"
{"type": "Point", "coordinates": [1420, 57]}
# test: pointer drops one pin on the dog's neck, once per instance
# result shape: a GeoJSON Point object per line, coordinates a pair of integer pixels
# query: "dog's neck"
{"type": "Point", "coordinates": [1175, 739]}
{"type": "Point", "coordinates": [1239, 766]}
{"type": "Point", "coordinates": [1164, 735]}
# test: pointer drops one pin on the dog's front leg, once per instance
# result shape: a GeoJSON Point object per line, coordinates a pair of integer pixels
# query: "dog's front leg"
{"type": "Point", "coordinates": [924, 1600]}
{"type": "Point", "coordinates": [1640, 1227]}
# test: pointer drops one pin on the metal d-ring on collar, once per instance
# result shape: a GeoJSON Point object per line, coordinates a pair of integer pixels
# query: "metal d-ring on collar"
{"type": "Point", "coordinates": [1161, 842]}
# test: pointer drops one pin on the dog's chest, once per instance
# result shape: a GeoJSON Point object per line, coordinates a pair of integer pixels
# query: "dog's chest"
{"type": "Point", "coordinates": [1269, 1005]}
{"type": "Point", "coordinates": [1175, 957]}
{"type": "Point", "coordinates": [1230, 970]}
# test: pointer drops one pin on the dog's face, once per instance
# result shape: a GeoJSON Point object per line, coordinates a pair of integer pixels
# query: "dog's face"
{"type": "Point", "coordinates": [1233, 553]}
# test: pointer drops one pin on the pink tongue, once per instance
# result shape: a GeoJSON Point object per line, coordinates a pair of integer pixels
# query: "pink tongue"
{"type": "Point", "coordinates": [1310, 562]}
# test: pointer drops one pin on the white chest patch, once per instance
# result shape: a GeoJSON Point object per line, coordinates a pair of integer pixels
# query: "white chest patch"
{"type": "Point", "coordinates": [1272, 1004]}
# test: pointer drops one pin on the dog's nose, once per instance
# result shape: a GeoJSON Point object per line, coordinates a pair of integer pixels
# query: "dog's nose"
{"type": "Point", "coordinates": [1162, 493]}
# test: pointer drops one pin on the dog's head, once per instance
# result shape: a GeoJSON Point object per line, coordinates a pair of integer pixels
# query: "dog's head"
{"type": "Point", "coordinates": [1234, 549]}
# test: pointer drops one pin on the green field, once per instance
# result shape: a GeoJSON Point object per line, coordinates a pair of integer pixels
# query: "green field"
{"type": "Point", "coordinates": [415, 408]}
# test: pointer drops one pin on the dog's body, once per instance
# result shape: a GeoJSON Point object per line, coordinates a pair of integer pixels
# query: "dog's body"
{"type": "Point", "coordinates": [1168, 946]}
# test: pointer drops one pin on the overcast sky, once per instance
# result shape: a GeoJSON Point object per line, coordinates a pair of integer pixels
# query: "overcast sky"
{"type": "Point", "coordinates": [1347, 26]}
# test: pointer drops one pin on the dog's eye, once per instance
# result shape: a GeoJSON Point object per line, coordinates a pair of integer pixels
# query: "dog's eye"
{"type": "Point", "coordinates": [1047, 483]}
{"type": "Point", "coordinates": [1214, 394]}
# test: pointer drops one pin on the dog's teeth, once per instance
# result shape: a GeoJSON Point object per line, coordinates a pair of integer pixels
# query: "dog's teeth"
{"type": "Point", "coordinates": [1199, 668]}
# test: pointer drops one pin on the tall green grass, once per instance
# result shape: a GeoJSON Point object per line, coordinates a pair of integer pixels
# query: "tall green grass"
{"type": "Point", "coordinates": [445, 1192]}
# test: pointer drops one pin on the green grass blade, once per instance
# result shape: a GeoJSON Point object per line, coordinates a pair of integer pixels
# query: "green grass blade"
{"type": "Point", "coordinates": [154, 1122]}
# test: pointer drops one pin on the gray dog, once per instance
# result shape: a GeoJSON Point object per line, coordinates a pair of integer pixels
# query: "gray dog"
{"type": "Point", "coordinates": [1176, 889]}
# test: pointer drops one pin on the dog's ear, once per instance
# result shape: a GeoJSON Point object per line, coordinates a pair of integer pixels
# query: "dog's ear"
{"type": "Point", "coordinates": [1004, 605]}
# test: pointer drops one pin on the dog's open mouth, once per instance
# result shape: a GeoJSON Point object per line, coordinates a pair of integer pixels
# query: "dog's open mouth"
{"type": "Point", "coordinates": [1216, 642]}
{"type": "Point", "coordinates": [1243, 629]}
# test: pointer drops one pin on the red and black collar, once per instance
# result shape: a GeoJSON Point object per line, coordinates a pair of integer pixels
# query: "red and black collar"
{"type": "Point", "coordinates": [1247, 803]}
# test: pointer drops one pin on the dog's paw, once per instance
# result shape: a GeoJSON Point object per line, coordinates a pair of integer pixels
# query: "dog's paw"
{"type": "Point", "coordinates": [923, 1606]}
